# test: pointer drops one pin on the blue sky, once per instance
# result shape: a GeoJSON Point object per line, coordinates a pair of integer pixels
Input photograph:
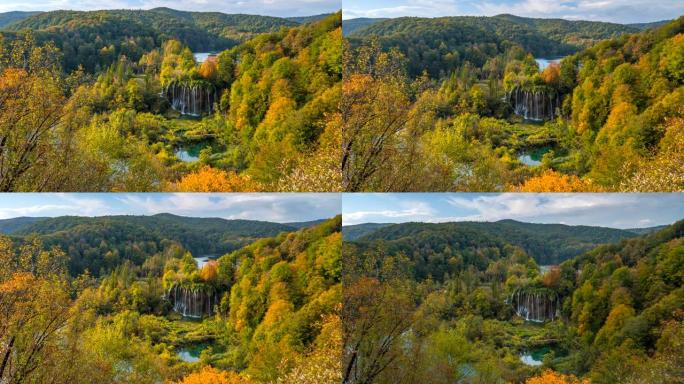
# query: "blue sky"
{"type": "Point", "coordinates": [281, 8]}
{"type": "Point", "coordinates": [614, 210]}
{"type": "Point", "coordinates": [618, 11]}
{"type": "Point", "coordinates": [275, 207]}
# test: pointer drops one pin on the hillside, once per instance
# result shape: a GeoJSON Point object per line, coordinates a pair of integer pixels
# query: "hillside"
{"type": "Point", "coordinates": [634, 292]}
{"type": "Point", "coordinates": [440, 44]}
{"type": "Point", "coordinates": [651, 25]}
{"type": "Point", "coordinates": [354, 232]}
{"type": "Point", "coordinates": [7, 18]}
{"type": "Point", "coordinates": [479, 243]}
{"type": "Point", "coordinates": [309, 19]}
{"type": "Point", "coordinates": [350, 26]}
{"type": "Point", "coordinates": [96, 243]}
{"type": "Point", "coordinates": [8, 226]}
{"type": "Point", "coordinates": [95, 39]}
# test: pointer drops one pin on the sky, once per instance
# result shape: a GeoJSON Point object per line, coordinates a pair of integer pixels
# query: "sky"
{"type": "Point", "coordinates": [279, 8]}
{"type": "Point", "coordinates": [615, 210]}
{"type": "Point", "coordinates": [617, 11]}
{"type": "Point", "coordinates": [274, 207]}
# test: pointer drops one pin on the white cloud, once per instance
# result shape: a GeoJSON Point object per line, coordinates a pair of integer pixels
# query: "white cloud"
{"type": "Point", "coordinates": [281, 8]}
{"type": "Point", "coordinates": [413, 210]}
{"type": "Point", "coordinates": [526, 206]}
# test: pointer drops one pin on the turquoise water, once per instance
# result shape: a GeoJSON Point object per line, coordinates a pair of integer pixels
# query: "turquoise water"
{"type": "Point", "coordinates": [535, 356]}
{"type": "Point", "coordinates": [533, 156]}
{"type": "Point", "coordinates": [190, 152]}
{"type": "Point", "coordinates": [191, 353]}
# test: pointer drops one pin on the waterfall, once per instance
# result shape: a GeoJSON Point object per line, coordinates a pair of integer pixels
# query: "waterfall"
{"type": "Point", "coordinates": [193, 302]}
{"type": "Point", "coordinates": [193, 100]}
{"type": "Point", "coordinates": [535, 105]}
{"type": "Point", "coordinates": [535, 305]}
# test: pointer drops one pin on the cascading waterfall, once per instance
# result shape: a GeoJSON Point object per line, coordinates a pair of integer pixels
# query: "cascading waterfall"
{"type": "Point", "coordinates": [192, 100]}
{"type": "Point", "coordinates": [535, 305]}
{"type": "Point", "coordinates": [193, 302]}
{"type": "Point", "coordinates": [537, 105]}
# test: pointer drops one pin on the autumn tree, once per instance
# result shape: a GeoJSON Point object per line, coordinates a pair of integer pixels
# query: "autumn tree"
{"type": "Point", "coordinates": [209, 179]}
{"type": "Point", "coordinates": [552, 377]}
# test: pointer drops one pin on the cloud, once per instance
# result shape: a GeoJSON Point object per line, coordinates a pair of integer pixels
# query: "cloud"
{"type": "Point", "coordinates": [618, 11]}
{"type": "Point", "coordinates": [412, 210]}
{"type": "Point", "coordinates": [253, 206]}
{"type": "Point", "coordinates": [282, 8]}
{"type": "Point", "coordinates": [537, 206]}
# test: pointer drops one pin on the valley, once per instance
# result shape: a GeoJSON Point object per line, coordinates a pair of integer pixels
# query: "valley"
{"type": "Point", "coordinates": [469, 96]}
{"type": "Point", "coordinates": [166, 298]}
{"type": "Point", "coordinates": [501, 302]}
{"type": "Point", "coordinates": [167, 100]}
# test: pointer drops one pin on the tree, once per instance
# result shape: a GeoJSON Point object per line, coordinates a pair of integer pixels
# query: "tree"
{"type": "Point", "coordinates": [552, 377]}
{"type": "Point", "coordinates": [209, 179]}
{"type": "Point", "coordinates": [210, 375]}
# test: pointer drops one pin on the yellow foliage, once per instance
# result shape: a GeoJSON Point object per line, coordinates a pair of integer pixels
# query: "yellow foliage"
{"type": "Point", "coordinates": [210, 179]}
{"type": "Point", "coordinates": [209, 375]}
{"type": "Point", "coordinates": [552, 181]}
{"type": "Point", "coordinates": [551, 377]}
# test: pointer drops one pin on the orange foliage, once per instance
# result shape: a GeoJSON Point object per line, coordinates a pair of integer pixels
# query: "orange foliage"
{"type": "Point", "coordinates": [210, 271]}
{"type": "Point", "coordinates": [551, 377]}
{"type": "Point", "coordinates": [552, 277]}
{"type": "Point", "coordinates": [209, 69]}
{"type": "Point", "coordinates": [551, 74]}
{"type": "Point", "coordinates": [209, 375]}
{"type": "Point", "coordinates": [552, 181]}
{"type": "Point", "coordinates": [210, 179]}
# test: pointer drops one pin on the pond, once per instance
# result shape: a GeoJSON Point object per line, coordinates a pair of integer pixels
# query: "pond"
{"type": "Point", "coordinates": [534, 357]}
{"type": "Point", "coordinates": [543, 63]}
{"type": "Point", "coordinates": [533, 156]}
{"type": "Point", "coordinates": [189, 152]}
{"type": "Point", "coordinates": [191, 353]}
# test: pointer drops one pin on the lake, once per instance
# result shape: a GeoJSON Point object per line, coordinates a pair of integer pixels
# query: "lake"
{"type": "Point", "coordinates": [543, 63]}
{"type": "Point", "coordinates": [201, 57]}
{"type": "Point", "coordinates": [202, 260]}
{"type": "Point", "coordinates": [191, 353]}
{"type": "Point", "coordinates": [533, 156]}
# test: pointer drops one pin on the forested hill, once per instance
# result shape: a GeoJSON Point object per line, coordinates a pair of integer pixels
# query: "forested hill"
{"type": "Point", "coordinates": [96, 38]}
{"type": "Point", "coordinates": [8, 226]}
{"type": "Point", "coordinates": [354, 232]}
{"type": "Point", "coordinates": [481, 242]}
{"type": "Point", "coordinates": [7, 18]}
{"type": "Point", "coordinates": [626, 301]}
{"type": "Point", "coordinates": [438, 44]}
{"type": "Point", "coordinates": [352, 25]}
{"type": "Point", "coordinates": [102, 243]}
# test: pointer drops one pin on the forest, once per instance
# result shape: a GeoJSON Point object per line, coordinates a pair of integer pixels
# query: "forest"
{"type": "Point", "coordinates": [165, 100]}
{"type": "Point", "coordinates": [265, 312]}
{"type": "Point", "coordinates": [425, 303]}
{"type": "Point", "coordinates": [507, 103]}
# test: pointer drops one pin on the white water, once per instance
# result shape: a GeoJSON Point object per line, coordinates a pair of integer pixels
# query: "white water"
{"type": "Point", "coordinates": [527, 359]}
{"type": "Point", "coordinates": [534, 105]}
{"type": "Point", "coordinates": [535, 306]}
{"type": "Point", "coordinates": [192, 101]}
